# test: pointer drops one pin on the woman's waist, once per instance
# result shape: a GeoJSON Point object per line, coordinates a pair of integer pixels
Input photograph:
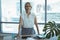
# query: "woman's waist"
{"type": "Point", "coordinates": [28, 26]}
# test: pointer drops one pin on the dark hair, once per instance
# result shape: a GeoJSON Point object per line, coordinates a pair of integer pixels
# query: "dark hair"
{"type": "Point", "coordinates": [27, 3]}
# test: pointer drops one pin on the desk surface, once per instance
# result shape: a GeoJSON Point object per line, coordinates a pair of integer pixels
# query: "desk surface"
{"type": "Point", "coordinates": [6, 34]}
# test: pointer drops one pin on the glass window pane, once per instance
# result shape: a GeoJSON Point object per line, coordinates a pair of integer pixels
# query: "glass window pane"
{"type": "Point", "coordinates": [40, 27]}
{"type": "Point", "coordinates": [10, 10]}
{"type": "Point", "coordinates": [9, 28]}
{"type": "Point", "coordinates": [37, 8]}
{"type": "Point", "coordinates": [53, 10]}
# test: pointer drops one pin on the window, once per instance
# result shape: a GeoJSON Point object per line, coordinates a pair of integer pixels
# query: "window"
{"type": "Point", "coordinates": [9, 28]}
{"type": "Point", "coordinates": [53, 14]}
{"type": "Point", "coordinates": [10, 13]}
{"type": "Point", "coordinates": [10, 10]}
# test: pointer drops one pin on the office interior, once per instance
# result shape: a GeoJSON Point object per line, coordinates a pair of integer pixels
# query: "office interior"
{"type": "Point", "coordinates": [10, 11]}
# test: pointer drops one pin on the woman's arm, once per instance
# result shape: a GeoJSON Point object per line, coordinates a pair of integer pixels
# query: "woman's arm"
{"type": "Point", "coordinates": [20, 24]}
{"type": "Point", "coordinates": [35, 21]}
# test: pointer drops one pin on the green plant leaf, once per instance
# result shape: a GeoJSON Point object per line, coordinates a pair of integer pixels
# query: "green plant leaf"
{"type": "Point", "coordinates": [52, 33]}
{"type": "Point", "coordinates": [48, 35]}
{"type": "Point", "coordinates": [59, 38]}
{"type": "Point", "coordinates": [51, 27]}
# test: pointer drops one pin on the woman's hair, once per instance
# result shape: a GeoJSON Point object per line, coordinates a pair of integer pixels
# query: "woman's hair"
{"type": "Point", "coordinates": [27, 3]}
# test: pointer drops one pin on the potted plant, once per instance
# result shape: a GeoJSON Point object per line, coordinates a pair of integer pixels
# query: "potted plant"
{"type": "Point", "coordinates": [59, 37]}
{"type": "Point", "coordinates": [51, 29]}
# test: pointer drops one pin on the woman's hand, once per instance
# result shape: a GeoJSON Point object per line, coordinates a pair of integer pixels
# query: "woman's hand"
{"type": "Point", "coordinates": [38, 33]}
{"type": "Point", "coordinates": [18, 36]}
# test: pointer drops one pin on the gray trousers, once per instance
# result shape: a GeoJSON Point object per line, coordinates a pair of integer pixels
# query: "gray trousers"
{"type": "Point", "coordinates": [27, 31]}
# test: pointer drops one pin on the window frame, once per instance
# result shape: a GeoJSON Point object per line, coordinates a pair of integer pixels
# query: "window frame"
{"type": "Point", "coordinates": [21, 12]}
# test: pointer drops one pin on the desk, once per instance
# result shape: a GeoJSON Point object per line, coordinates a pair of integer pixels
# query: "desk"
{"type": "Point", "coordinates": [6, 36]}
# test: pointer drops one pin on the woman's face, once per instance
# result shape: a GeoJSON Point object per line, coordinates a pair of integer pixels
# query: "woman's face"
{"type": "Point", "coordinates": [27, 7]}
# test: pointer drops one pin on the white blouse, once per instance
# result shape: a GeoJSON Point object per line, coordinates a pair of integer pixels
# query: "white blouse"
{"type": "Point", "coordinates": [28, 22]}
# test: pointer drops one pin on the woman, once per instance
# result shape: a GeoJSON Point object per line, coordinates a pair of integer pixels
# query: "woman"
{"type": "Point", "coordinates": [27, 21]}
